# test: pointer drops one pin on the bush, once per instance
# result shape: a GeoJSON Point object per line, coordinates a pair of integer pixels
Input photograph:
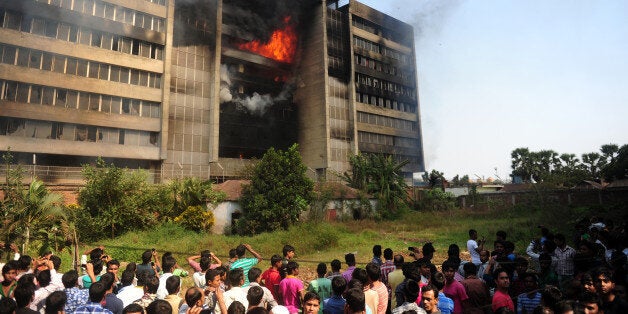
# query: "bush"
{"type": "Point", "coordinates": [196, 218]}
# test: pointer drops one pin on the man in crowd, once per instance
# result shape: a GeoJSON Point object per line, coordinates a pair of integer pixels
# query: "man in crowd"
{"type": "Point", "coordinates": [271, 277]}
{"type": "Point", "coordinates": [336, 303]}
{"type": "Point", "coordinates": [350, 260]}
{"type": "Point", "coordinates": [97, 291]}
{"type": "Point", "coordinates": [245, 263]}
{"type": "Point", "coordinates": [321, 285]}
{"type": "Point", "coordinates": [501, 298]}
{"type": "Point", "coordinates": [255, 279]}
{"type": "Point", "coordinates": [474, 247]}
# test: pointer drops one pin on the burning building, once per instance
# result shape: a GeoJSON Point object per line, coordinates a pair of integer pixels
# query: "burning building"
{"type": "Point", "coordinates": [200, 87]}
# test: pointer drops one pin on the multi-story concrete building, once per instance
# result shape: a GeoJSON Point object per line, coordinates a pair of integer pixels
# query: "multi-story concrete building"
{"type": "Point", "coordinates": [199, 87]}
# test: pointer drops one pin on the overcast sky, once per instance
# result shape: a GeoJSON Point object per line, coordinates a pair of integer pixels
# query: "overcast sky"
{"type": "Point", "coordinates": [498, 75]}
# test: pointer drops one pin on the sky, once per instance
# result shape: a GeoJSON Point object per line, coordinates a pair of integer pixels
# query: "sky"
{"type": "Point", "coordinates": [499, 75]}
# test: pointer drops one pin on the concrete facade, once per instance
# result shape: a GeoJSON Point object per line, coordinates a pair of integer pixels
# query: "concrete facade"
{"type": "Point", "coordinates": [141, 83]}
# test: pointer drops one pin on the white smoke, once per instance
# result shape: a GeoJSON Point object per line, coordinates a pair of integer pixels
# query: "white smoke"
{"type": "Point", "coordinates": [256, 104]}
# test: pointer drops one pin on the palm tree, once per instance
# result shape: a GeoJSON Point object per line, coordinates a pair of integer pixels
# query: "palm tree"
{"type": "Point", "coordinates": [38, 206]}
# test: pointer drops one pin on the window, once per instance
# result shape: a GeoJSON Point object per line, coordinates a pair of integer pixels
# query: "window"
{"type": "Point", "coordinates": [51, 29]}
{"type": "Point", "coordinates": [9, 55]}
{"type": "Point", "coordinates": [22, 57]}
{"type": "Point", "coordinates": [115, 105]}
{"type": "Point", "coordinates": [107, 40]}
{"type": "Point", "coordinates": [94, 102]}
{"type": "Point", "coordinates": [105, 105]}
{"type": "Point", "coordinates": [35, 95]}
{"type": "Point", "coordinates": [103, 73]}
{"type": "Point", "coordinates": [46, 63]}
{"type": "Point", "coordinates": [115, 73]}
{"type": "Point", "coordinates": [71, 66]}
{"type": "Point", "coordinates": [64, 32]}
{"type": "Point", "coordinates": [22, 92]}
{"type": "Point", "coordinates": [85, 36]}
{"type": "Point", "coordinates": [39, 26]}
{"type": "Point", "coordinates": [82, 68]}
{"type": "Point", "coordinates": [124, 75]}
{"type": "Point", "coordinates": [60, 99]}
{"type": "Point", "coordinates": [145, 50]}
{"type": "Point", "coordinates": [26, 23]}
{"type": "Point", "coordinates": [72, 99]}
{"type": "Point", "coordinates": [83, 101]}
{"type": "Point", "coordinates": [35, 60]}
{"type": "Point", "coordinates": [96, 39]}
{"type": "Point", "coordinates": [12, 21]}
{"type": "Point", "coordinates": [10, 91]}
{"type": "Point", "coordinates": [59, 64]}
{"type": "Point", "coordinates": [48, 96]}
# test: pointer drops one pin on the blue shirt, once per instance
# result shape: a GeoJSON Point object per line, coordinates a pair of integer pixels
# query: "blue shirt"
{"type": "Point", "coordinates": [445, 304]}
{"type": "Point", "coordinates": [76, 297]}
{"type": "Point", "coordinates": [92, 308]}
{"type": "Point", "coordinates": [334, 305]}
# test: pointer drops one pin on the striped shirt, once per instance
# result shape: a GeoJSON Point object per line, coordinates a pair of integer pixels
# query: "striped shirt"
{"type": "Point", "coordinates": [246, 264]}
{"type": "Point", "coordinates": [386, 269]}
{"type": "Point", "coordinates": [526, 304]}
{"type": "Point", "coordinates": [382, 295]}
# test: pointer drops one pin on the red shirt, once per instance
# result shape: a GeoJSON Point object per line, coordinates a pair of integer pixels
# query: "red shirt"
{"type": "Point", "coordinates": [271, 278]}
{"type": "Point", "coordinates": [501, 299]}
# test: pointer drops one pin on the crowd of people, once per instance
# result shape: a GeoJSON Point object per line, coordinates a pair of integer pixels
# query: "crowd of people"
{"type": "Point", "coordinates": [552, 277]}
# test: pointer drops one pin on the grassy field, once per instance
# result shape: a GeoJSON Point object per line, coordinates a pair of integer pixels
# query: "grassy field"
{"type": "Point", "coordinates": [323, 242]}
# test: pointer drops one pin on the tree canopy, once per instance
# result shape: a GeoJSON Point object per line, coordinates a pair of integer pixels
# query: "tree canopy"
{"type": "Point", "coordinates": [279, 191]}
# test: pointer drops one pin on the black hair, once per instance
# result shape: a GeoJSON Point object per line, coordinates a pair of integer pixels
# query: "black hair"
{"type": "Point", "coordinates": [133, 308]}
{"type": "Point", "coordinates": [469, 269]}
{"type": "Point", "coordinates": [70, 278]}
{"type": "Point", "coordinates": [428, 248]}
{"type": "Point", "coordinates": [7, 306]}
{"type": "Point", "coordinates": [355, 284]}
{"type": "Point", "coordinates": [388, 254]}
{"type": "Point", "coordinates": [377, 250]}
{"type": "Point", "coordinates": [338, 285]}
{"type": "Point", "coordinates": [360, 274]}
{"type": "Point", "coordinates": [151, 284]}
{"type": "Point", "coordinates": [193, 295]}
{"type": "Point", "coordinates": [275, 259]}
{"type": "Point", "coordinates": [233, 253]}
{"type": "Point", "coordinates": [411, 290]}
{"type": "Point", "coordinates": [335, 265]}
{"type": "Point", "coordinates": [350, 259]}
{"type": "Point", "coordinates": [96, 254]}
{"type": "Point", "coordinates": [257, 310]}
{"type": "Point", "coordinates": [373, 272]}
{"type": "Point", "coordinates": [235, 277]}
{"type": "Point", "coordinates": [254, 273]}
{"type": "Point", "coordinates": [292, 265]}
{"type": "Point", "coordinates": [212, 273]}
{"type": "Point", "coordinates": [44, 278]}
{"type": "Point", "coordinates": [448, 264]}
{"type": "Point", "coordinates": [25, 262]}
{"type": "Point", "coordinates": [430, 287]}
{"type": "Point", "coordinates": [355, 300]}
{"type": "Point", "coordinates": [438, 280]}
{"type": "Point", "coordinates": [127, 278]}
{"type": "Point", "coordinates": [472, 232]}
{"type": "Point", "coordinates": [550, 296]}
{"type": "Point", "coordinates": [132, 266]}
{"type": "Point", "coordinates": [205, 263]}
{"type": "Point", "coordinates": [55, 302]}
{"type": "Point", "coordinates": [97, 291]}
{"type": "Point", "coordinates": [56, 261]}
{"type": "Point", "coordinates": [146, 256]}
{"type": "Point", "coordinates": [173, 283]}
{"type": "Point", "coordinates": [321, 269]}
{"type": "Point", "coordinates": [9, 266]}
{"type": "Point", "coordinates": [255, 295]}
{"type": "Point", "coordinates": [287, 248]}
{"type": "Point", "coordinates": [236, 308]}
{"type": "Point", "coordinates": [108, 280]}
{"type": "Point", "coordinates": [398, 260]}
{"type": "Point", "coordinates": [159, 307]}
{"type": "Point", "coordinates": [113, 262]}
{"type": "Point", "coordinates": [23, 293]}
{"type": "Point", "coordinates": [311, 295]}
{"type": "Point", "coordinates": [453, 250]}
{"type": "Point", "coordinates": [501, 233]}
{"type": "Point", "coordinates": [240, 250]}
{"type": "Point", "coordinates": [168, 263]}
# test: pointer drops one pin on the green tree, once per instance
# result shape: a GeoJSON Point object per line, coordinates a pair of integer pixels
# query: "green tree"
{"type": "Point", "coordinates": [279, 191]}
{"type": "Point", "coordinates": [609, 152]}
{"type": "Point", "coordinates": [592, 162]}
{"type": "Point", "coordinates": [192, 192]}
{"type": "Point", "coordinates": [379, 175]}
{"type": "Point", "coordinates": [37, 207]}
{"type": "Point", "coordinates": [617, 168]}
{"type": "Point", "coordinates": [116, 200]}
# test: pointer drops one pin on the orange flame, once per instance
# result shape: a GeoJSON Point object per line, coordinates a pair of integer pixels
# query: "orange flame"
{"type": "Point", "coordinates": [280, 47]}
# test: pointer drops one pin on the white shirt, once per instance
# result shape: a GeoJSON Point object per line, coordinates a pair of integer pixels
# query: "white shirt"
{"type": "Point", "coordinates": [472, 245]}
{"type": "Point", "coordinates": [161, 291]}
{"type": "Point", "coordinates": [128, 294]}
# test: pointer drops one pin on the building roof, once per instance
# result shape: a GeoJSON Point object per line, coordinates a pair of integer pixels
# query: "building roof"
{"type": "Point", "coordinates": [233, 188]}
{"type": "Point", "coordinates": [339, 190]}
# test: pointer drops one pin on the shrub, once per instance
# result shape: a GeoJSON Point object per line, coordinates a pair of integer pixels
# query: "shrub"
{"type": "Point", "coordinates": [196, 218]}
